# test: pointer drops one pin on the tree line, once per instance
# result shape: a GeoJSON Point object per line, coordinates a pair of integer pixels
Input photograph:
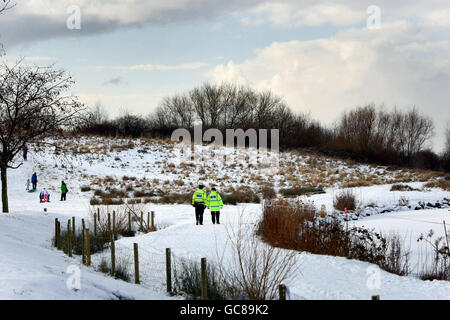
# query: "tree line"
{"type": "Point", "coordinates": [367, 133]}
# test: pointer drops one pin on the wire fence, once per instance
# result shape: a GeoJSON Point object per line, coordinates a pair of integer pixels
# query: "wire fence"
{"type": "Point", "coordinates": [153, 268]}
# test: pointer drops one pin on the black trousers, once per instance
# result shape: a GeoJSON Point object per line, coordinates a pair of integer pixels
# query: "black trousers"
{"type": "Point", "coordinates": [63, 196]}
{"type": "Point", "coordinates": [199, 210]}
{"type": "Point", "coordinates": [34, 185]}
{"type": "Point", "coordinates": [215, 215]}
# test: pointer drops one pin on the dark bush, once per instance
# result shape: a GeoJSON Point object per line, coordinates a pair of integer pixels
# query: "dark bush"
{"type": "Point", "coordinates": [188, 281]}
{"type": "Point", "coordinates": [300, 191]}
{"type": "Point", "coordinates": [120, 270]}
{"type": "Point", "coordinates": [97, 242]}
{"type": "Point", "coordinates": [345, 199]}
{"type": "Point", "coordinates": [241, 196]}
{"type": "Point", "coordinates": [268, 192]}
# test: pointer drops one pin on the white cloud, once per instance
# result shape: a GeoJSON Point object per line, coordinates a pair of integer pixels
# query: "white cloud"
{"type": "Point", "coordinates": [394, 66]}
{"type": "Point", "coordinates": [298, 14]}
{"type": "Point", "coordinates": [154, 67]}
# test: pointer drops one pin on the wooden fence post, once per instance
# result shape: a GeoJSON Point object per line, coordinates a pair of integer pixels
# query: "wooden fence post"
{"type": "Point", "coordinates": [114, 224]}
{"type": "Point", "coordinates": [113, 254]}
{"type": "Point", "coordinates": [129, 222]}
{"type": "Point", "coordinates": [153, 220]}
{"type": "Point", "coordinates": [204, 290]}
{"type": "Point", "coordinates": [109, 222]}
{"type": "Point", "coordinates": [73, 228]}
{"type": "Point", "coordinates": [59, 236]}
{"type": "Point", "coordinates": [136, 264]}
{"type": "Point", "coordinates": [282, 291]}
{"type": "Point", "coordinates": [168, 270]}
{"type": "Point", "coordinates": [56, 232]}
{"type": "Point", "coordinates": [88, 249]}
{"type": "Point", "coordinates": [95, 223]}
{"type": "Point", "coordinates": [83, 239]}
{"type": "Point", "coordinates": [142, 222]}
{"type": "Point", "coordinates": [69, 247]}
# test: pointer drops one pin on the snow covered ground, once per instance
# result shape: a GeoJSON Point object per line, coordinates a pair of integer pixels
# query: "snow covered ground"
{"type": "Point", "coordinates": [31, 269]}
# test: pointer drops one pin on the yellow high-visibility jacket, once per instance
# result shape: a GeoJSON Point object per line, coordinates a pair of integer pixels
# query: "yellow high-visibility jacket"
{"type": "Point", "coordinates": [214, 202]}
{"type": "Point", "coordinates": [199, 196]}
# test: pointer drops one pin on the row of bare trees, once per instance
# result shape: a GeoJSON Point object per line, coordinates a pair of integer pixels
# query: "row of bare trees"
{"type": "Point", "coordinates": [367, 129]}
{"type": "Point", "coordinates": [228, 106]}
{"type": "Point", "coordinates": [220, 106]}
{"type": "Point", "coordinates": [366, 133]}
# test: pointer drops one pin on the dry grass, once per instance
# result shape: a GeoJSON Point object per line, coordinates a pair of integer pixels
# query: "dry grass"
{"type": "Point", "coordinates": [345, 199]}
{"type": "Point", "coordinates": [443, 183]}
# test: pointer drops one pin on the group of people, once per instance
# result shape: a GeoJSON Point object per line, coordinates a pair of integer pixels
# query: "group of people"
{"type": "Point", "coordinates": [44, 195]}
{"type": "Point", "coordinates": [201, 200]}
{"type": "Point", "coordinates": [33, 181]}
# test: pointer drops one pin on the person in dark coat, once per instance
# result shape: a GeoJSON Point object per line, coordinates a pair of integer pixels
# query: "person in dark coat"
{"type": "Point", "coordinates": [199, 203]}
{"type": "Point", "coordinates": [34, 181]}
{"type": "Point", "coordinates": [25, 153]}
{"type": "Point", "coordinates": [64, 191]}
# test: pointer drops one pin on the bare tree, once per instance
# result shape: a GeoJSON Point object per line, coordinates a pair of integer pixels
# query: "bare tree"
{"type": "Point", "coordinates": [415, 131]}
{"type": "Point", "coordinates": [34, 104]}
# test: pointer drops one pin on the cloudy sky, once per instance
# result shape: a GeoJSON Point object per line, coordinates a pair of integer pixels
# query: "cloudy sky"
{"type": "Point", "coordinates": [322, 57]}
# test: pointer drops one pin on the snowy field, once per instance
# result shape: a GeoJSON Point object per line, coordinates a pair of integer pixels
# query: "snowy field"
{"type": "Point", "coordinates": [30, 268]}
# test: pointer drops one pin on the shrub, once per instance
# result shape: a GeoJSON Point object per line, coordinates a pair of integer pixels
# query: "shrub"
{"type": "Point", "coordinates": [106, 202]}
{"type": "Point", "coordinates": [402, 187]}
{"type": "Point", "coordinates": [282, 222]}
{"type": "Point", "coordinates": [440, 267]}
{"type": "Point", "coordinates": [85, 188]}
{"type": "Point", "coordinates": [97, 242]}
{"type": "Point", "coordinates": [397, 258]}
{"type": "Point", "coordinates": [256, 269]}
{"type": "Point", "coordinates": [268, 192]}
{"type": "Point", "coordinates": [179, 198]}
{"type": "Point", "coordinates": [110, 194]}
{"type": "Point", "coordinates": [297, 226]}
{"type": "Point", "coordinates": [120, 270]}
{"type": "Point", "coordinates": [442, 183]}
{"type": "Point", "coordinates": [241, 196]}
{"type": "Point", "coordinates": [188, 281]}
{"type": "Point", "coordinates": [299, 191]}
{"type": "Point", "coordinates": [143, 194]}
{"type": "Point", "coordinates": [345, 200]}
{"type": "Point", "coordinates": [121, 221]}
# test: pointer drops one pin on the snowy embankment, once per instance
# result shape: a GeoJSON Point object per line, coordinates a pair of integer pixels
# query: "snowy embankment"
{"type": "Point", "coordinates": [30, 268]}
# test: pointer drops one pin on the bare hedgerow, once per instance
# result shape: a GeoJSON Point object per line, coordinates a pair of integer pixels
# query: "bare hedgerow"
{"type": "Point", "coordinates": [256, 269]}
{"type": "Point", "coordinates": [297, 226]}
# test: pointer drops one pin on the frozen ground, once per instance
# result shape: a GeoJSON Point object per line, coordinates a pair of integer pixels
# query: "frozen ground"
{"type": "Point", "coordinates": [31, 269]}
